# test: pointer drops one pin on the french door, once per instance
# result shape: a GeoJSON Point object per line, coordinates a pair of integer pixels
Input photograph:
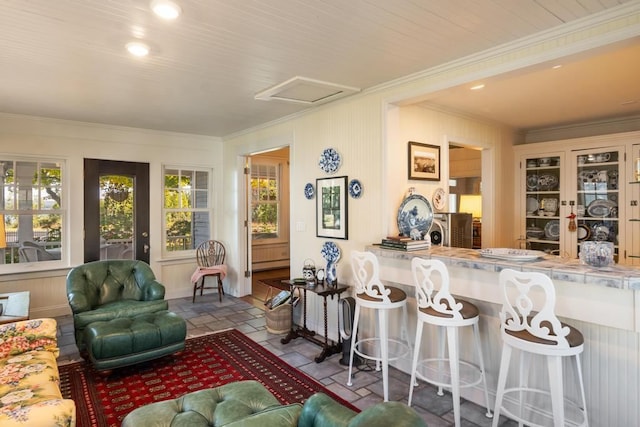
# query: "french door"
{"type": "Point", "coordinates": [116, 210]}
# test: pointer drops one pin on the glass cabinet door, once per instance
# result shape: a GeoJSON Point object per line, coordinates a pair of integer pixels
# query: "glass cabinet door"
{"type": "Point", "coordinates": [633, 208]}
{"type": "Point", "coordinates": [598, 192]}
{"type": "Point", "coordinates": [542, 202]}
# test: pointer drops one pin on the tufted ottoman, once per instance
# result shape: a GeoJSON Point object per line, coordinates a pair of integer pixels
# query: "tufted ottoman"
{"type": "Point", "coordinates": [250, 404]}
{"type": "Point", "coordinates": [128, 340]}
{"type": "Point", "coordinates": [218, 406]}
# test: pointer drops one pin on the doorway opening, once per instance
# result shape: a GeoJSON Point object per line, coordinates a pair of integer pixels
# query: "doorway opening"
{"type": "Point", "coordinates": [268, 207]}
{"type": "Point", "coordinates": [465, 185]}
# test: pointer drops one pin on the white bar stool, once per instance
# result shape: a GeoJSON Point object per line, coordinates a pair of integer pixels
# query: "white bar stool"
{"type": "Point", "coordinates": [528, 323]}
{"type": "Point", "coordinates": [436, 306]}
{"type": "Point", "coordinates": [372, 294]}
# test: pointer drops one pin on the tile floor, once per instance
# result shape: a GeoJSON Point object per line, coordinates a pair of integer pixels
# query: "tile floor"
{"type": "Point", "coordinates": [207, 314]}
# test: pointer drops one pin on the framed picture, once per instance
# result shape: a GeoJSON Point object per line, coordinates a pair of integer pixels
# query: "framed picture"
{"type": "Point", "coordinates": [331, 208]}
{"type": "Point", "coordinates": [424, 161]}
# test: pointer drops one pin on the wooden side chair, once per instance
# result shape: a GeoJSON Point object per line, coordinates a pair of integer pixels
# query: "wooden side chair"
{"type": "Point", "coordinates": [210, 256]}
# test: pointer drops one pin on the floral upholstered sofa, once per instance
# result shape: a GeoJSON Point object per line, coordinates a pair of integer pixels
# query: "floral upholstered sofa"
{"type": "Point", "coordinates": [29, 381]}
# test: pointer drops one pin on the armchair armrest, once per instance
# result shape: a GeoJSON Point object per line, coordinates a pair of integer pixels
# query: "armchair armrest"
{"type": "Point", "coordinates": [153, 290]}
{"type": "Point", "coordinates": [27, 335]}
{"type": "Point", "coordinates": [322, 411]}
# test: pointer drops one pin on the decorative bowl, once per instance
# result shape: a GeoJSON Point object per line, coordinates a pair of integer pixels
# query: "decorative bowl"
{"type": "Point", "coordinates": [535, 232]}
{"type": "Point", "coordinates": [596, 254]}
{"type": "Point", "coordinates": [547, 182]}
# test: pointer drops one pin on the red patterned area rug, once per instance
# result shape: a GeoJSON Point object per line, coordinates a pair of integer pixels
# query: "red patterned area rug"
{"type": "Point", "coordinates": [208, 361]}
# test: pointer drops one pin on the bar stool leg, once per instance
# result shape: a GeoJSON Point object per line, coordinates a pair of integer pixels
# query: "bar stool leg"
{"type": "Point", "coordinates": [356, 316]}
{"type": "Point", "coordinates": [502, 380]}
{"type": "Point", "coordinates": [525, 359]}
{"type": "Point", "coordinates": [384, 352]}
{"type": "Point", "coordinates": [476, 333]}
{"type": "Point", "coordinates": [414, 365]}
{"type": "Point", "coordinates": [454, 368]}
{"type": "Point", "coordinates": [554, 364]}
{"type": "Point", "coordinates": [581, 382]}
{"type": "Point", "coordinates": [441, 358]}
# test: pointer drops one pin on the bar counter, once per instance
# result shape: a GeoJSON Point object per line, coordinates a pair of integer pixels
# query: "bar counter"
{"type": "Point", "coordinates": [601, 303]}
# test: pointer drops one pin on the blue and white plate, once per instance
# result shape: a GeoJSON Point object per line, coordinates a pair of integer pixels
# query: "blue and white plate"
{"type": "Point", "coordinates": [330, 252]}
{"type": "Point", "coordinates": [309, 191]}
{"type": "Point", "coordinates": [355, 188]}
{"type": "Point", "coordinates": [329, 160]}
{"type": "Point", "coordinates": [415, 217]}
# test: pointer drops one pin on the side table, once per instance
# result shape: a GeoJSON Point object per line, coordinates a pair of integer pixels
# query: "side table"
{"type": "Point", "coordinates": [15, 306]}
{"type": "Point", "coordinates": [325, 291]}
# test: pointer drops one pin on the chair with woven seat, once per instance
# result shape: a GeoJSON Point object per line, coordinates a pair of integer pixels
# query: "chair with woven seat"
{"type": "Point", "coordinates": [210, 256]}
{"type": "Point", "coordinates": [436, 306]}
{"type": "Point", "coordinates": [371, 293]}
{"type": "Point", "coordinates": [528, 323]}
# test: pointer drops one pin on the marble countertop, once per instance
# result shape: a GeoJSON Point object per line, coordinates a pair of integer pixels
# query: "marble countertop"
{"type": "Point", "coordinates": [616, 276]}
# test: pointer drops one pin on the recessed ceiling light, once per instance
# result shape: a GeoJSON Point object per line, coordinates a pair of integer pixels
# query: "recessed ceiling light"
{"type": "Point", "coordinates": [166, 9]}
{"type": "Point", "coordinates": [138, 48]}
{"type": "Point", "coordinates": [555, 67]}
{"type": "Point", "coordinates": [477, 87]}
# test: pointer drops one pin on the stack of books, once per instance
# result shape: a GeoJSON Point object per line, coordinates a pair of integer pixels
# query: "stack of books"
{"type": "Point", "coordinates": [404, 243]}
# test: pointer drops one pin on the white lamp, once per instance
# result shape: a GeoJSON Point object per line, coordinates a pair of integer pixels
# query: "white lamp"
{"type": "Point", "coordinates": [472, 203]}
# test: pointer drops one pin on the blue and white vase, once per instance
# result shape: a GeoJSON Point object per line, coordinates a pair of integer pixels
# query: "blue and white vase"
{"type": "Point", "coordinates": [332, 274]}
{"type": "Point", "coordinates": [331, 253]}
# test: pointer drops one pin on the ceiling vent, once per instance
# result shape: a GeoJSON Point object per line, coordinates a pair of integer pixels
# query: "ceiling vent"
{"type": "Point", "coordinates": [302, 90]}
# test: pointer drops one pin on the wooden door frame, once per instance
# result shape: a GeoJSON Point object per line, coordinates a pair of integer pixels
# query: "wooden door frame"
{"type": "Point", "coordinates": [93, 169]}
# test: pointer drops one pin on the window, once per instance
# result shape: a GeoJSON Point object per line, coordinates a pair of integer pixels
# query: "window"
{"type": "Point", "coordinates": [265, 200]}
{"type": "Point", "coordinates": [186, 208]}
{"type": "Point", "coordinates": [31, 214]}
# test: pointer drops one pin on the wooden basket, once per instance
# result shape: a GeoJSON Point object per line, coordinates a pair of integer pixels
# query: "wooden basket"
{"type": "Point", "coordinates": [279, 319]}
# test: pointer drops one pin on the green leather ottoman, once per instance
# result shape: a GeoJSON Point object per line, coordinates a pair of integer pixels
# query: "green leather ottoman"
{"type": "Point", "coordinates": [250, 404]}
{"type": "Point", "coordinates": [219, 406]}
{"type": "Point", "coordinates": [129, 340]}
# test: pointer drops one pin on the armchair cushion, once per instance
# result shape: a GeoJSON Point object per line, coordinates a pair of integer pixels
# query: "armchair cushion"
{"type": "Point", "coordinates": [19, 337]}
{"type": "Point", "coordinates": [29, 380]}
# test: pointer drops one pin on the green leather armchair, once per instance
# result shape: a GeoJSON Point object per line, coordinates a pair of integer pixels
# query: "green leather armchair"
{"type": "Point", "coordinates": [111, 289]}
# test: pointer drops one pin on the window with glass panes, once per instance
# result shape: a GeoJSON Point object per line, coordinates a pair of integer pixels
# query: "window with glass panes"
{"type": "Point", "coordinates": [187, 214]}
{"type": "Point", "coordinates": [31, 213]}
{"type": "Point", "coordinates": [265, 200]}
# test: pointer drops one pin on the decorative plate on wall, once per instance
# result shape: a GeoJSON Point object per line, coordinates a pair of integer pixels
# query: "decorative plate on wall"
{"type": "Point", "coordinates": [309, 191]}
{"type": "Point", "coordinates": [355, 188]}
{"type": "Point", "coordinates": [329, 160]}
{"type": "Point", "coordinates": [439, 199]}
{"type": "Point", "coordinates": [330, 252]}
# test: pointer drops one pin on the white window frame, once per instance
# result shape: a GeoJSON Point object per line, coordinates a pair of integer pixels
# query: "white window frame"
{"type": "Point", "coordinates": [62, 211]}
{"type": "Point", "coordinates": [190, 252]}
{"type": "Point", "coordinates": [283, 234]}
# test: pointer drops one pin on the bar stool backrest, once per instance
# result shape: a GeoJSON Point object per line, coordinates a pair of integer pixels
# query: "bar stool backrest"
{"type": "Point", "coordinates": [431, 278]}
{"type": "Point", "coordinates": [529, 300]}
{"type": "Point", "coordinates": [366, 273]}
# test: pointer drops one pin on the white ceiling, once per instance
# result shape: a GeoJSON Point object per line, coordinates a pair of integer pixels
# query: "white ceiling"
{"type": "Point", "coordinates": [66, 59]}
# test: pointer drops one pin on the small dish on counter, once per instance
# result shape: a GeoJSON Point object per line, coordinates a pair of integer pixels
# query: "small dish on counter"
{"type": "Point", "coordinates": [510, 254]}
